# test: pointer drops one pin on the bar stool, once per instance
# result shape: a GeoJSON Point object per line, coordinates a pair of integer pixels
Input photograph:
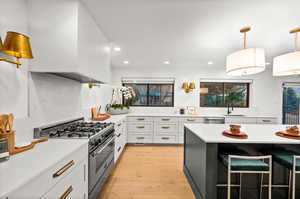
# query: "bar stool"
{"type": "Point", "coordinates": [291, 161]}
{"type": "Point", "coordinates": [238, 161]}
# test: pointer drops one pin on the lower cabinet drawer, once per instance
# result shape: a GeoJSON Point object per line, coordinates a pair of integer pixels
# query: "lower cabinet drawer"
{"type": "Point", "coordinates": [140, 127]}
{"type": "Point", "coordinates": [166, 128]}
{"type": "Point", "coordinates": [140, 138]}
{"type": "Point", "coordinates": [75, 185]}
{"type": "Point", "coordinates": [261, 120]}
{"type": "Point", "coordinates": [168, 139]}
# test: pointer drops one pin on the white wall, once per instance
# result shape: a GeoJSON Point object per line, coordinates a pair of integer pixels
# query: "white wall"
{"type": "Point", "coordinates": [39, 99]}
{"type": "Point", "coordinates": [265, 94]}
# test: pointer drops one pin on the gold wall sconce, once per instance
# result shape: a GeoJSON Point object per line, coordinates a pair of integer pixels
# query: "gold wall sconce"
{"type": "Point", "coordinates": [91, 85]}
{"type": "Point", "coordinates": [16, 45]}
{"type": "Point", "coordinates": [188, 87]}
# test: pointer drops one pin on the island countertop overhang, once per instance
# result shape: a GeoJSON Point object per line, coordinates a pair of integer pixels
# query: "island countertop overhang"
{"type": "Point", "coordinates": [257, 134]}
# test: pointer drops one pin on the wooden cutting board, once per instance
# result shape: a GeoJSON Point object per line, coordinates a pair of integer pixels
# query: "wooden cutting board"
{"type": "Point", "coordinates": [3, 123]}
{"type": "Point", "coordinates": [241, 135]}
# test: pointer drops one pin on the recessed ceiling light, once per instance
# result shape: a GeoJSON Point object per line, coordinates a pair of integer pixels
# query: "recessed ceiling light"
{"type": "Point", "coordinates": [268, 63]}
{"type": "Point", "coordinates": [167, 62]}
{"type": "Point", "coordinates": [125, 62]}
{"type": "Point", "coordinates": [210, 63]}
{"type": "Point", "coordinates": [117, 49]}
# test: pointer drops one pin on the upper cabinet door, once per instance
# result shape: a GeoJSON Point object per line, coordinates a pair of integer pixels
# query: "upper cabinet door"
{"type": "Point", "coordinates": [66, 39]}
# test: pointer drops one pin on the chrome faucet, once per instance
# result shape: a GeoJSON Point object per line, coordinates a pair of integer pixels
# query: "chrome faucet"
{"type": "Point", "coordinates": [228, 108]}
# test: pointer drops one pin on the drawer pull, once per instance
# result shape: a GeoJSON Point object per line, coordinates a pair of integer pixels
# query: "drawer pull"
{"type": "Point", "coordinates": [190, 120]}
{"type": "Point", "coordinates": [119, 134]}
{"type": "Point", "coordinates": [119, 149]}
{"type": "Point", "coordinates": [63, 169]}
{"type": "Point", "coordinates": [165, 138]}
{"type": "Point", "coordinates": [266, 120]}
{"type": "Point", "coordinates": [140, 127]}
{"type": "Point", "coordinates": [119, 124]}
{"type": "Point", "coordinates": [165, 127]}
{"type": "Point", "coordinates": [165, 119]}
{"type": "Point", "coordinates": [140, 138]}
{"type": "Point", "coordinates": [140, 119]}
{"type": "Point", "coordinates": [67, 193]}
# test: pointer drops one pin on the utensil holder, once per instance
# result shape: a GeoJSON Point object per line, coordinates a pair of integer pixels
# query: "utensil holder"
{"type": "Point", "coordinates": [10, 136]}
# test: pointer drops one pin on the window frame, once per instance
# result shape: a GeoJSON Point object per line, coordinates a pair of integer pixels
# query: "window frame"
{"type": "Point", "coordinates": [148, 86]}
{"type": "Point", "coordinates": [225, 105]}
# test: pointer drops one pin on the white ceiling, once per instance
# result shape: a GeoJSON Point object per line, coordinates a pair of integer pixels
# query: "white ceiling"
{"type": "Point", "coordinates": [190, 33]}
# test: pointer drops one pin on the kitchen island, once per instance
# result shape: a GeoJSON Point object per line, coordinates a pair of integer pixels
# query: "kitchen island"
{"type": "Point", "coordinates": [202, 143]}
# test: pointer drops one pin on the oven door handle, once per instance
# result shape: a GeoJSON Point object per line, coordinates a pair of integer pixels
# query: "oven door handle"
{"type": "Point", "coordinates": [108, 143]}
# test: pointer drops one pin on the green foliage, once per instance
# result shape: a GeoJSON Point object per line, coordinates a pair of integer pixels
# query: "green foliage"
{"type": "Point", "coordinates": [117, 106]}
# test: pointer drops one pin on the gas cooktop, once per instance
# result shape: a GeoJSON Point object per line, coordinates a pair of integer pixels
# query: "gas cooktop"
{"type": "Point", "coordinates": [73, 129]}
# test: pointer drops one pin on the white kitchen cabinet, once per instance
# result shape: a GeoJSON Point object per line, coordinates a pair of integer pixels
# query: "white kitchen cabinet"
{"type": "Point", "coordinates": [140, 130]}
{"type": "Point", "coordinates": [121, 138]}
{"type": "Point", "coordinates": [74, 185]}
{"type": "Point", "coordinates": [71, 45]}
{"type": "Point", "coordinates": [57, 177]}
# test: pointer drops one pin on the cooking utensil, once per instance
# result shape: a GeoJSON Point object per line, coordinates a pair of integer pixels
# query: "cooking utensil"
{"type": "Point", "coordinates": [3, 123]}
{"type": "Point", "coordinates": [10, 122]}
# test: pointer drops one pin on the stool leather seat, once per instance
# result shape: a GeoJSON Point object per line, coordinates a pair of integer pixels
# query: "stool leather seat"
{"type": "Point", "coordinates": [242, 164]}
{"type": "Point", "coordinates": [284, 157]}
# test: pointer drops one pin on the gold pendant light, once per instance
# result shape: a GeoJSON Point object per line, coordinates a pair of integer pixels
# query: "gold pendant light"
{"type": "Point", "coordinates": [288, 64]}
{"type": "Point", "coordinates": [247, 61]}
{"type": "Point", "coordinates": [16, 45]}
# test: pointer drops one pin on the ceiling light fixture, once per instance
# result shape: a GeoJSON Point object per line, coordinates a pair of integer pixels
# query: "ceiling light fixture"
{"type": "Point", "coordinates": [125, 62]}
{"type": "Point", "coordinates": [117, 49]}
{"type": "Point", "coordinates": [210, 63]}
{"type": "Point", "coordinates": [268, 63]}
{"type": "Point", "coordinates": [167, 62]}
{"type": "Point", "coordinates": [288, 64]}
{"type": "Point", "coordinates": [247, 61]}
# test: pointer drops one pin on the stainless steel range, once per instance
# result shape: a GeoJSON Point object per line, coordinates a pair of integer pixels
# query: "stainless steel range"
{"type": "Point", "coordinates": [101, 146]}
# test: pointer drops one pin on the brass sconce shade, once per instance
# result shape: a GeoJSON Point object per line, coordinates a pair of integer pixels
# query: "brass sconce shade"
{"type": "Point", "coordinates": [16, 45]}
{"type": "Point", "coordinates": [188, 87]}
{"type": "Point", "coordinates": [90, 85]}
{"type": "Point", "coordinates": [192, 85]}
{"type": "Point", "coordinates": [185, 85]}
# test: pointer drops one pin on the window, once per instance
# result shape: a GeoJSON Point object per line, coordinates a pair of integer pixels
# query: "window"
{"type": "Point", "coordinates": [220, 94]}
{"type": "Point", "coordinates": [153, 94]}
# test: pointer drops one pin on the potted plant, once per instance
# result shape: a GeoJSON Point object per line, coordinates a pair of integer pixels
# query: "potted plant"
{"type": "Point", "coordinates": [128, 97]}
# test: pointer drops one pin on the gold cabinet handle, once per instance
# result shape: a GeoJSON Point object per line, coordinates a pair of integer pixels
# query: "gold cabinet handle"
{"type": "Point", "coordinates": [67, 193]}
{"type": "Point", "coordinates": [119, 149]}
{"type": "Point", "coordinates": [63, 169]}
{"type": "Point", "coordinates": [266, 120]}
{"type": "Point", "coordinates": [140, 138]}
{"type": "Point", "coordinates": [165, 138]}
{"type": "Point", "coordinates": [141, 127]}
{"type": "Point", "coordinates": [165, 119]}
{"type": "Point", "coordinates": [165, 127]}
{"type": "Point", "coordinates": [140, 119]}
{"type": "Point", "coordinates": [190, 120]}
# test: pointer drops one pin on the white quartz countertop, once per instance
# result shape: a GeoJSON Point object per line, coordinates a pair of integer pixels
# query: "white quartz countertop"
{"type": "Point", "coordinates": [23, 167]}
{"type": "Point", "coordinates": [261, 134]}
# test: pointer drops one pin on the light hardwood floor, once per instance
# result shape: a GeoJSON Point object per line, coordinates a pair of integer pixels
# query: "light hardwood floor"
{"type": "Point", "coordinates": [148, 172]}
